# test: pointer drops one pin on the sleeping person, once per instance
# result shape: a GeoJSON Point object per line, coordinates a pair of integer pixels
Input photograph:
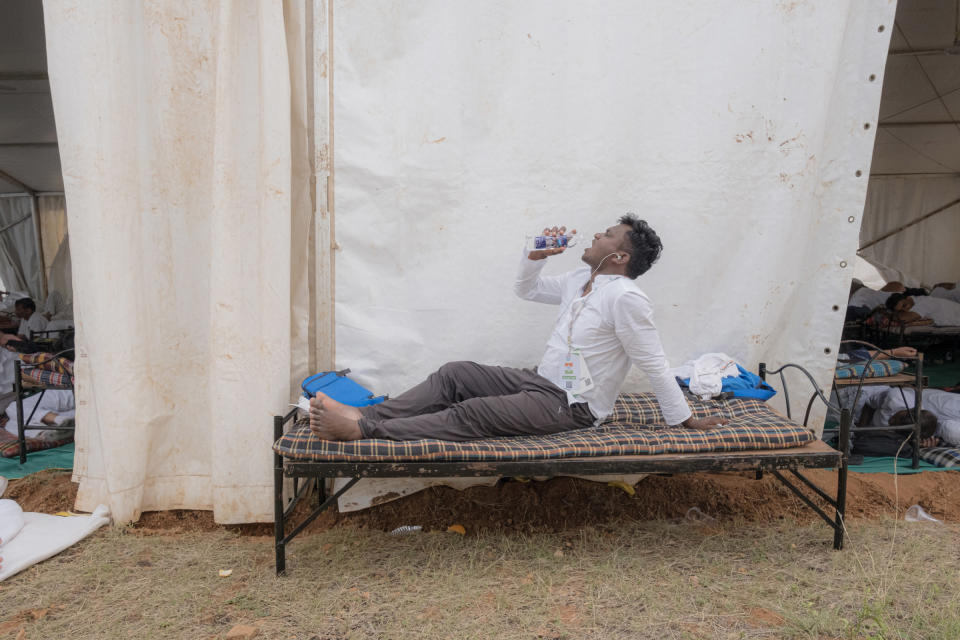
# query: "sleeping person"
{"type": "Point", "coordinates": [863, 296]}
{"type": "Point", "coordinates": [911, 309]}
{"type": "Point", "coordinates": [54, 408]}
{"type": "Point", "coordinates": [892, 406]}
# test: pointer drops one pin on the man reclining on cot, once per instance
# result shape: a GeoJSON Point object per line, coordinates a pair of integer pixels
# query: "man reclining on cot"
{"type": "Point", "coordinates": [605, 326]}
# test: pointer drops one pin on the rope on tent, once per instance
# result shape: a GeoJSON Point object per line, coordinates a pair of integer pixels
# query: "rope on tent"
{"type": "Point", "coordinates": [13, 224]}
{"type": "Point", "coordinates": [910, 224]}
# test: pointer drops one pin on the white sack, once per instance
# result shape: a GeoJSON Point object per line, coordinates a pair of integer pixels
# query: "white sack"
{"type": "Point", "coordinates": [44, 536]}
{"type": "Point", "coordinates": [174, 127]}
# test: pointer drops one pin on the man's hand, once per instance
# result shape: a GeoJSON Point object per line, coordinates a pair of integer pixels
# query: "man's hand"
{"type": "Point", "coordinates": [904, 352]}
{"type": "Point", "coordinates": [704, 424]}
{"type": "Point", "coordinates": [926, 443]}
{"type": "Point", "coordinates": [540, 254]}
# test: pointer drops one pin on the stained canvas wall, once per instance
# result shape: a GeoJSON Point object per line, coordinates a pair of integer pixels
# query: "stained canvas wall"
{"type": "Point", "coordinates": [742, 131]}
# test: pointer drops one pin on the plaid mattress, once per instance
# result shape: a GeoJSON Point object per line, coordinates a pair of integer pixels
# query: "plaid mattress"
{"type": "Point", "coordinates": [876, 369]}
{"type": "Point", "coordinates": [10, 446]}
{"type": "Point", "coordinates": [48, 362]}
{"type": "Point", "coordinates": [942, 456]}
{"type": "Point", "coordinates": [49, 379]}
{"type": "Point", "coordinates": [636, 427]}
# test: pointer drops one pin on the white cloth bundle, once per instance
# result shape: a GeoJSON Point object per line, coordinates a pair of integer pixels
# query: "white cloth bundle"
{"type": "Point", "coordinates": [707, 372]}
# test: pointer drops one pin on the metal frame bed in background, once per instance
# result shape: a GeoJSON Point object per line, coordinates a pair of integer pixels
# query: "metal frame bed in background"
{"type": "Point", "coordinates": [33, 388]}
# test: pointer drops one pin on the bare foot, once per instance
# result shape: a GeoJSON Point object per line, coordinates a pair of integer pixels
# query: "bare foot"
{"type": "Point", "coordinates": [329, 404]}
{"type": "Point", "coordinates": [334, 423]}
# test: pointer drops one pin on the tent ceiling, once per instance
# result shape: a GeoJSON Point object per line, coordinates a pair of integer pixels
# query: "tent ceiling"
{"type": "Point", "coordinates": [28, 137]}
{"type": "Point", "coordinates": [919, 131]}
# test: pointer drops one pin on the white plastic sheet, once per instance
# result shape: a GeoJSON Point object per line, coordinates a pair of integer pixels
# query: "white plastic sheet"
{"type": "Point", "coordinates": [741, 130]}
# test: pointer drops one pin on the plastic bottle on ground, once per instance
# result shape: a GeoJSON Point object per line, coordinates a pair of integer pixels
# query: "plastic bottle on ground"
{"type": "Point", "coordinates": [915, 513]}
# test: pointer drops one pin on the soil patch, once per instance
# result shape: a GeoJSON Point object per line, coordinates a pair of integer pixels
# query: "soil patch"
{"type": "Point", "coordinates": [563, 504]}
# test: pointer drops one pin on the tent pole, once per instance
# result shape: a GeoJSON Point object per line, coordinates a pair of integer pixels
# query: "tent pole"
{"type": "Point", "coordinates": [324, 245]}
{"type": "Point", "coordinates": [39, 246]}
{"type": "Point", "coordinates": [9, 178]}
{"type": "Point", "coordinates": [910, 224]}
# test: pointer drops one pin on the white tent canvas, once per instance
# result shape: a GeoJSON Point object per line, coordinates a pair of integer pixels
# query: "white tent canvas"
{"type": "Point", "coordinates": [258, 190]}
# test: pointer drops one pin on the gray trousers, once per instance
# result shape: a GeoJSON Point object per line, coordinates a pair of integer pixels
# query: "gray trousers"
{"type": "Point", "coordinates": [466, 400]}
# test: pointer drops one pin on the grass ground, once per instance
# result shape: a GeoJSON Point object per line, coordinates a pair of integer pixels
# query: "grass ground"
{"type": "Point", "coordinates": [630, 580]}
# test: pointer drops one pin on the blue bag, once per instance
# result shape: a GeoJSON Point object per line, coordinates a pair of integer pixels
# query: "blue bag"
{"type": "Point", "coordinates": [338, 386]}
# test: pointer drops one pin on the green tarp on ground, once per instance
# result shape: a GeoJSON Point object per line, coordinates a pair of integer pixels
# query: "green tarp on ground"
{"type": "Point", "coordinates": [885, 465]}
{"type": "Point", "coordinates": [57, 458]}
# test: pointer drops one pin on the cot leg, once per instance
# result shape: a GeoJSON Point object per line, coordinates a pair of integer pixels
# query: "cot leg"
{"type": "Point", "coordinates": [21, 427]}
{"type": "Point", "coordinates": [280, 546]}
{"type": "Point", "coordinates": [845, 419]}
{"type": "Point", "coordinates": [918, 410]}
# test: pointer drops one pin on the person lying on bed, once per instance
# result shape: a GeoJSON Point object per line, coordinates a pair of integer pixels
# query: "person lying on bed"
{"type": "Point", "coordinates": [896, 443]}
{"type": "Point", "coordinates": [605, 326]}
{"type": "Point", "coordinates": [855, 353]}
{"type": "Point", "coordinates": [55, 408]}
{"type": "Point", "coordinates": [893, 406]}
{"type": "Point", "coordinates": [913, 309]}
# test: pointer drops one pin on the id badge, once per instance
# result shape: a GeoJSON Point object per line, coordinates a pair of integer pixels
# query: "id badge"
{"type": "Point", "coordinates": [574, 376]}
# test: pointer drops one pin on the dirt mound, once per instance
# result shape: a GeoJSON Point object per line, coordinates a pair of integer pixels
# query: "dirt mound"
{"type": "Point", "coordinates": [47, 491]}
{"type": "Point", "coordinates": [567, 503]}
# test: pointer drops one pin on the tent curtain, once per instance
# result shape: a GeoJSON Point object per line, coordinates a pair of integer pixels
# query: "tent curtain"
{"type": "Point", "coordinates": [175, 135]}
{"type": "Point", "coordinates": [55, 242]}
{"type": "Point", "coordinates": [19, 261]}
{"type": "Point", "coordinates": [925, 253]}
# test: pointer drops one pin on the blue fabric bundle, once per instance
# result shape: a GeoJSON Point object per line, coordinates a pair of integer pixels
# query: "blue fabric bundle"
{"type": "Point", "coordinates": [338, 386]}
{"type": "Point", "coordinates": [746, 385]}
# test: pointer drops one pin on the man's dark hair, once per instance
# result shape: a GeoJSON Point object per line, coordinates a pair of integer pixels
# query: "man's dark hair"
{"type": "Point", "coordinates": [894, 299]}
{"type": "Point", "coordinates": [642, 243]}
{"type": "Point", "coordinates": [928, 421]}
{"type": "Point", "coordinates": [26, 303]}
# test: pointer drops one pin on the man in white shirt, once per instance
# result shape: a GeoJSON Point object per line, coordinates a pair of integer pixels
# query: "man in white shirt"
{"type": "Point", "coordinates": [30, 321]}
{"type": "Point", "coordinates": [605, 326]}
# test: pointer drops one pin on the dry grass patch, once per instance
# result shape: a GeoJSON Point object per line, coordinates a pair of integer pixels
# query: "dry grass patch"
{"type": "Point", "coordinates": [642, 580]}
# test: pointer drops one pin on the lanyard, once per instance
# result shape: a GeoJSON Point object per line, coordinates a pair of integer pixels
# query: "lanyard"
{"type": "Point", "coordinates": [574, 316]}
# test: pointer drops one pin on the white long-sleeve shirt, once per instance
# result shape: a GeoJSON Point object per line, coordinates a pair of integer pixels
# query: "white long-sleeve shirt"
{"type": "Point", "coordinates": [943, 404]}
{"type": "Point", "coordinates": [613, 328]}
{"type": "Point", "coordinates": [36, 322]}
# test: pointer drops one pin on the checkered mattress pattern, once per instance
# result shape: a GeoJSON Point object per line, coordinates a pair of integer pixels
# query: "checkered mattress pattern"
{"type": "Point", "coordinates": [876, 369]}
{"type": "Point", "coordinates": [636, 427]}
{"type": "Point", "coordinates": [948, 457]}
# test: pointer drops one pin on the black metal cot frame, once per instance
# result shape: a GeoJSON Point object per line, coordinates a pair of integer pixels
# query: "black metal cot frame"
{"type": "Point", "coordinates": [783, 464]}
{"type": "Point", "coordinates": [918, 383]}
{"type": "Point", "coordinates": [18, 388]}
